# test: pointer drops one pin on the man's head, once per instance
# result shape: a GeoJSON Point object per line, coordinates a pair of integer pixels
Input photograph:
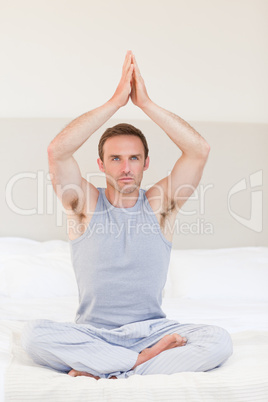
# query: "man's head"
{"type": "Point", "coordinates": [122, 129]}
{"type": "Point", "coordinates": [123, 153]}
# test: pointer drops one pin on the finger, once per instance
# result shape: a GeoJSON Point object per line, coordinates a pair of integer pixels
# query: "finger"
{"type": "Point", "coordinates": [137, 75]}
{"type": "Point", "coordinates": [130, 72]}
{"type": "Point", "coordinates": [125, 61]}
{"type": "Point", "coordinates": [136, 66]}
{"type": "Point", "coordinates": [128, 56]}
{"type": "Point", "coordinates": [127, 67]}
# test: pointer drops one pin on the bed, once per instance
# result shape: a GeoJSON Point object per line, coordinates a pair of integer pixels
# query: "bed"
{"type": "Point", "coordinates": [225, 287]}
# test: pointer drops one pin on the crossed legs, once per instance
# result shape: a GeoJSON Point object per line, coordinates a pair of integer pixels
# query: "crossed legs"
{"type": "Point", "coordinates": [167, 342]}
{"type": "Point", "coordinates": [76, 350]}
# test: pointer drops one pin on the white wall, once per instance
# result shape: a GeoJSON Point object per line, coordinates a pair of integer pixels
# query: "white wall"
{"type": "Point", "coordinates": [205, 60]}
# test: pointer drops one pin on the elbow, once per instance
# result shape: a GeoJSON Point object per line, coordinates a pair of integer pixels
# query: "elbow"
{"type": "Point", "coordinates": [55, 152]}
{"type": "Point", "coordinates": [200, 151]}
{"type": "Point", "coordinates": [205, 150]}
{"type": "Point", "coordinates": [51, 150]}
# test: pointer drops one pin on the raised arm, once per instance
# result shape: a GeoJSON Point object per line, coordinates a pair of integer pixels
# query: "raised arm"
{"type": "Point", "coordinates": [188, 169]}
{"type": "Point", "coordinates": [64, 170]}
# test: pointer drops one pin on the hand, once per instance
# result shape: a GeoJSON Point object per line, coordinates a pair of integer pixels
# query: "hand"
{"type": "Point", "coordinates": [122, 93]}
{"type": "Point", "coordinates": [139, 95]}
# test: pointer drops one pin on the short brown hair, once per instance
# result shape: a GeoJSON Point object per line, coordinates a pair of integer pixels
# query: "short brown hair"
{"type": "Point", "coordinates": [122, 129]}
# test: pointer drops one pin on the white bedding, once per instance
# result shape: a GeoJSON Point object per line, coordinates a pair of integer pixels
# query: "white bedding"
{"type": "Point", "coordinates": [244, 377]}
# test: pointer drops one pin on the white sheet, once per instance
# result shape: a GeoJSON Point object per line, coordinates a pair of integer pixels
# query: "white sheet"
{"type": "Point", "coordinates": [6, 340]}
{"type": "Point", "coordinates": [233, 316]}
{"type": "Point", "coordinates": [244, 377]}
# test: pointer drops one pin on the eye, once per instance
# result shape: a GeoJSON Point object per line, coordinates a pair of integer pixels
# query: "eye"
{"type": "Point", "coordinates": [134, 157]}
{"type": "Point", "coordinates": [115, 158]}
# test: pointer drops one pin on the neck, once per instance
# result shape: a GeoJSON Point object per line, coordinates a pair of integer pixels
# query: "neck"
{"type": "Point", "coordinates": [122, 200]}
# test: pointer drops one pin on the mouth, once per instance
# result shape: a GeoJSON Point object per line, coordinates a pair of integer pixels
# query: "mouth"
{"type": "Point", "coordinates": [126, 179]}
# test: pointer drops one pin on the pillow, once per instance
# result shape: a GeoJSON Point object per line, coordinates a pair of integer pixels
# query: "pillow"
{"type": "Point", "coordinates": [23, 246]}
{"type": "Point", "coordinates": [37, 274]}
{"type": "Point", "coordinates": [231, 274]}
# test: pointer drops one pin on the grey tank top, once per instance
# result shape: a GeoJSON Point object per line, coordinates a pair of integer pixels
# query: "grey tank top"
{"type": "Point", "coordinates": [121, 263]}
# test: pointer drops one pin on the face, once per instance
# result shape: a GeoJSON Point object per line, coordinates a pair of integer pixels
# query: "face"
{"type": "Point", "coordinates": [123, 162]}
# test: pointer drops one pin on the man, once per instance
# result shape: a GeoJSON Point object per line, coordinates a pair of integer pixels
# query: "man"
{"type": "Point", "coordinates": [121, 239]}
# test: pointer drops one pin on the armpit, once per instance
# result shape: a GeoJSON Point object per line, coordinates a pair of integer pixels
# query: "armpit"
{"type": "Point", "coordinates": [169, 208]}
{"type": "Point", "coordinates": [74, 207]}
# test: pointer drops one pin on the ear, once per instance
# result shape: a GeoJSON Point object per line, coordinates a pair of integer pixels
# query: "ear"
{"type": "Point", "coordinates": [147, 161]}
{"type": "Point", "coordinates": [101, 165]}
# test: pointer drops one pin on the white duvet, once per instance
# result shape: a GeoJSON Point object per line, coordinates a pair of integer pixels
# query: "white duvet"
{"type": "Point", "coordinates": [225, 287]}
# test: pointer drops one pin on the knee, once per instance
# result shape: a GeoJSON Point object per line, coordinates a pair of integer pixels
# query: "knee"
{"type": "Point", "coordinates": [221, 345]}
{"type": "Point", "coordinates": [31, 335]}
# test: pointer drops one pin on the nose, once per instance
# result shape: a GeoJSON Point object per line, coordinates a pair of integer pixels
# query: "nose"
{"type": "Point", "coordinates": [125, 167]}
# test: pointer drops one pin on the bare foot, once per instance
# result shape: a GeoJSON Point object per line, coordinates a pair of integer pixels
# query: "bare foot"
{"type": "Point", "coordinates": [167, 342]}
{"type": "Point", "coordinates": [75, 373]}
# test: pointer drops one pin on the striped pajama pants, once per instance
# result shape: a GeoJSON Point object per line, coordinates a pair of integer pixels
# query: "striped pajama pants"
{"type": "Point", "coordinates": [113, 352]}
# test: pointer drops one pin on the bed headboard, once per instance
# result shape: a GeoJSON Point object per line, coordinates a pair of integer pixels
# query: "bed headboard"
{"type": "Point", "coordinates": [226, 210]}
